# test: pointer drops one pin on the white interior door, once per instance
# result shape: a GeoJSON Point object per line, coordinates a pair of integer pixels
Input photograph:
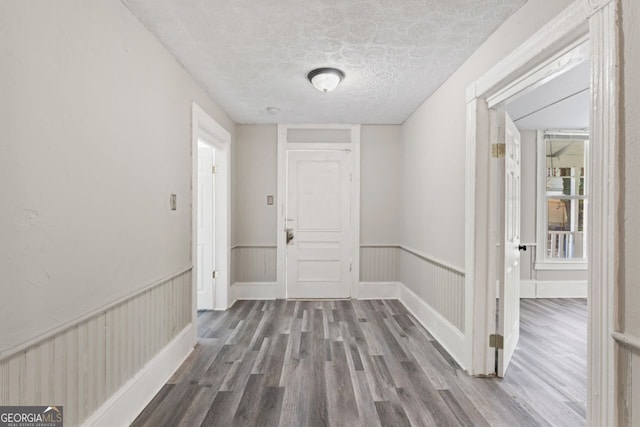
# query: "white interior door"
{"type": "Point", "coordinates": [317, 214]}
{"type": "Point", "coordinates": [509, 289]}
{"type": "Point", "coordinates": [205, 245]}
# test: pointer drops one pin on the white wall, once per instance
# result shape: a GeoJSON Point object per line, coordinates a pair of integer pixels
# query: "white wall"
{"type": "Point", "coordinates": [630, 239]}
{"type": "Point", "coordinates": [629, 309]}
{"type": "Point", "coordinates": [433, 141]}
{"type": "Point", "coordinates": [380, 183]}
{"type": "Point", "coordinates": [95, 128]}
{"type": "Point", "coordinates": [256, 176]}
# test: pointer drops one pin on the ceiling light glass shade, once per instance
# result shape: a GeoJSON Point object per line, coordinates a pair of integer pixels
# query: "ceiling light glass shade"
{"type": "Point", "coordinates": [325, 79]}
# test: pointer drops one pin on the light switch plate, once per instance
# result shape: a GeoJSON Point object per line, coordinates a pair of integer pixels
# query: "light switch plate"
{"type": "Point", "coordinates": [269, 200]}
{"type": "Point", "coordinates": [172, 202]}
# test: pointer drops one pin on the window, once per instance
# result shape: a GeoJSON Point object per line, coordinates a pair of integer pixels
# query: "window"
{"type": "Point", "coordinates": [562, 200]}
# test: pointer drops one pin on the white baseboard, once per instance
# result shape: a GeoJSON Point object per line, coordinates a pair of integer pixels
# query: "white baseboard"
{"type": "Point", "coordinates": [562, 289]}
{"type": "Point", "coordinates": [253, 291]}
{"type": "Point", "coordinates": [379, 290]}
{"type": "Point", "coordinates": [553, 289]}
{"type": "Point", "coordinates": [268, 291]}
{"type": "Point", "coordinates": [127, 403]}
{"type": "Point", "coordinates": [527, 289]}
{"type": "Point", "coordinates": [450, 337]}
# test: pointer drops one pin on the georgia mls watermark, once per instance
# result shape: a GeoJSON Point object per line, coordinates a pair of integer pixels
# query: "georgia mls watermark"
{"type": "Point", "coordinates": [31, 416]}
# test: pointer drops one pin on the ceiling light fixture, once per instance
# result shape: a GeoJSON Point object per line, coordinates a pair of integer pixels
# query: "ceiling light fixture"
{"type": "Point", "coordinates": [325, 79]}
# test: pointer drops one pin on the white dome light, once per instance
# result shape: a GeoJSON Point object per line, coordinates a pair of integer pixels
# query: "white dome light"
{"type": "Point", "coordinates": [325, 79]}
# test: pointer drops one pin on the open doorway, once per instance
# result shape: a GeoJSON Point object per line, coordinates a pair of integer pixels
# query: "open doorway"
{"type": "Point", "coordinates": [541, 321]}
{"type": "Point", "coordinates": [210, 214]}
{"type": "Point", "coordinates": [539, 59]}
{"type": "Point", "coordinates": [553, 190]}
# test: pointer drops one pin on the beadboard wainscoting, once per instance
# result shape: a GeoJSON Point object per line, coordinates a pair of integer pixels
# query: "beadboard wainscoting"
{"type": "Point", "coordinates": [253, 264]}
{"type": "Point", "coordinates": [253, 272]}
{"type": "Point", "coordinates": [434, 292]}
{"type": "Point", "coordinates": [104, 367]}
{"type": "Point", "coordinates": [379, 271]}
{"type": "Point", "coordinates": [379, 263]}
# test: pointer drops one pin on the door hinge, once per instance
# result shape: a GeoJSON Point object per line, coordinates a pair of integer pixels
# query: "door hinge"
{"type": "Point", "coordinates": [496, 341]}
{"type": "Point", "coordinates": [213, 169]}
{"type": "Point", "coordinates": [350, 267]}
{"type": "Point", "coordinates": [498, 150]}
{"type": "Point", "coordinates": [215, 274]}
{"type": "Point", "coordinates": [350, 177]}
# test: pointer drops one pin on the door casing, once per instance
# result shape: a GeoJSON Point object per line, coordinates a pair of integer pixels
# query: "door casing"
{"type": "Point", "coordinates": [284, 144]}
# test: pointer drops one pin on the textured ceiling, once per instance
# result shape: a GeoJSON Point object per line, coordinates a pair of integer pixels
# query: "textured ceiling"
{"type": "Point", "coordinates": [254, 54]}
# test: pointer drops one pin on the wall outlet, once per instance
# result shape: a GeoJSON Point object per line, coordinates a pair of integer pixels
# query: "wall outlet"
{"type": "Point", "coordinates": [269, 200]}
{"type": "Point", "coordinates": [172, 202]}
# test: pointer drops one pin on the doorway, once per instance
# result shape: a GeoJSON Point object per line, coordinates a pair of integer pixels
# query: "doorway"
{"type": "Point", "coordinates": [540, 58]}
{"type": "Point", "coordinates": [210, 213]}
{"type": "Point", "coordinates": [318, 211]}
{"type": "Point", "coordinates": [547, 239]}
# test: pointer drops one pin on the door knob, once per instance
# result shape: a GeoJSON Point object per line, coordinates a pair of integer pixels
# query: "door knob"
{"type": "Point", "coordinates": [522, 247]}
{"type": "Point", "coordinates": [289, 235]}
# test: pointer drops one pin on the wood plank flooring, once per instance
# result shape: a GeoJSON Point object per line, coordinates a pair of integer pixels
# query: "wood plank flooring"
{"type": "Point", "coordinates": [369, 363]}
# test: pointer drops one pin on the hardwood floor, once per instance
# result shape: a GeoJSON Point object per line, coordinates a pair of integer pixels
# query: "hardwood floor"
{"type": "Point", "coordinates": [369, 363]}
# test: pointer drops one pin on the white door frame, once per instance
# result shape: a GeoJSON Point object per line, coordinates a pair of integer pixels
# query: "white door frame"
{"type": "Point", "coordinates": [523, 68]}
{"type": "Point", "coordinates": [283, 146]}
{"type": "Point", "coordinates": [206, 129]}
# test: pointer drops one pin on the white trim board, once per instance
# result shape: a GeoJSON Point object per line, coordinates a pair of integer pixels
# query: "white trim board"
{"type": "Point", "coordinates": [553, 289]}
{"type": "Point", "coordinates": [599, 19]}
{"type": "Point", "coordinates": [253, 291]}
{"type": "Point", "coordinates": [433, 260]}
{"type": "Point", "coordinates": [269, 291]}
{"type": "Point", "coordinates": [127, 403]}
{"type": "Point", "coordinates": [379, 290]}
{"type": "Point", "coordinates": [447, 335]}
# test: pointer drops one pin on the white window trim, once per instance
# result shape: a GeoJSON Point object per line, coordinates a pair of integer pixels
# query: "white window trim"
{"type": "Point", "coordinates": [541, 260]}
{"type": "Point", "coordinates": [560, 265]}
